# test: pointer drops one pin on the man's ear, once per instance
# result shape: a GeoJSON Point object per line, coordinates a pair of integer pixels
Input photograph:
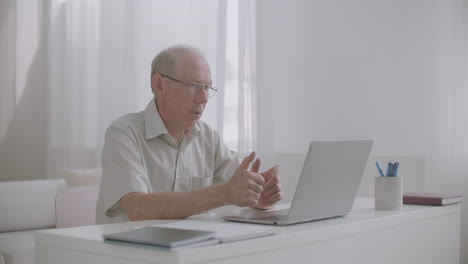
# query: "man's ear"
{"type": "Point", "coordinates": [156, 83]}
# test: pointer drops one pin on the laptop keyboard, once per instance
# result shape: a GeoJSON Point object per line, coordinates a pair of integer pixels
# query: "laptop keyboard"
{"type": "Point", "coordinates": [279, 215]}
{"type": "Point", "coordinates": [275, 217]}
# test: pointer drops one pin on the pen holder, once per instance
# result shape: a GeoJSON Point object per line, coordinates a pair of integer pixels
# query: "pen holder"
{"type": "Point", "coordinates": [388, 193]}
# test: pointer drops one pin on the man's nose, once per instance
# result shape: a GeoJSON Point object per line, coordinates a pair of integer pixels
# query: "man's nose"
{"type": "Point", "coordinates": [202, 96]}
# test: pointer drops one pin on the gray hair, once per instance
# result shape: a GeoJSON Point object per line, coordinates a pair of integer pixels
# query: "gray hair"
{"type": "Point", "coordinates": [166, 61]}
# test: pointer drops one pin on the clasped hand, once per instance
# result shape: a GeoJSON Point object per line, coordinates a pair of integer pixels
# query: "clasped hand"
{"type": "Point", "coordinates": [251, 188]}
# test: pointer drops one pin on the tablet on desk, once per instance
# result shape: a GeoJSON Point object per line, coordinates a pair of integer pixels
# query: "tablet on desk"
{"type": "Point", "coordinates": [164, 236]}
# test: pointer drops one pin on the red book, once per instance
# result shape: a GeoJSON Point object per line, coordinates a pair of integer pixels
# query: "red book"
{"type": "Point", "coordinates": [431, 198]}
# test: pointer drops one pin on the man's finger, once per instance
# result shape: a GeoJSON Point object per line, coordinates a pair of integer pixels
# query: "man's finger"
{"type": "Point", "coordinates": [256, 165]}
{"type": "Point", "coordinates": [272, 171]}
{"type": "Point", "coordinates": [276, 197]}
{"type": "Point", "coordinates": [273, 189]}
{"type": "Point", "coordinates": [252, 203]}
{"type": "Point", "coordinates": [256, 187]}
{"type": "Point", "coordinates": [247, 160]}
{"type": "Point", "coordinates": [258, 178]}
{"type": "Point", "coordinates": [271, 183]}
{"type": "Point", "coordinates": [254, 195]}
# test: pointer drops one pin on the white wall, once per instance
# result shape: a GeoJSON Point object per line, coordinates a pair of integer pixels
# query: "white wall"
{"type": "Point", "coordinates": [340, 69]}
{"type": "Point", "coordinates": [362, 69]}
{"type": "Point", "coordinates": [349, 69]}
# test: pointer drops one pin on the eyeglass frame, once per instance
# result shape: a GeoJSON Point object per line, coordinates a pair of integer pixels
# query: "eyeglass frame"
{"type": "Point", "coordinates": [193, 88]}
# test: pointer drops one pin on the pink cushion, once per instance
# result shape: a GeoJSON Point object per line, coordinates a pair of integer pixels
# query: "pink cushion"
{"type": "Point", "coordinates": [82, 177]}
{"type": "Point", "coordinates": [76, 206]}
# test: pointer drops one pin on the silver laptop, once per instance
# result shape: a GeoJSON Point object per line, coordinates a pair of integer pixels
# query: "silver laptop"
{"type": "Point", "coordinates": [329, 181]}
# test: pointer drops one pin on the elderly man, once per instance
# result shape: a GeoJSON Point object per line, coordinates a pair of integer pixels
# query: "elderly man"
{"type": "Point", "coordinates": [164, 162]}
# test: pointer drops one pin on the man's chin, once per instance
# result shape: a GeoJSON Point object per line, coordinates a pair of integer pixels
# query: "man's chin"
{"type": "Point", "coordinates": [192, 123]}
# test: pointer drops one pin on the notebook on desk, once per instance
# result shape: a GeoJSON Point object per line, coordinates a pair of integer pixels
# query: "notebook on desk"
{"type": "Point", "coordinates": [164, 236]}
{"type": "Point", "coordinates": [327, 187]}
{"type": "Point", "coordinates": [188, 233]}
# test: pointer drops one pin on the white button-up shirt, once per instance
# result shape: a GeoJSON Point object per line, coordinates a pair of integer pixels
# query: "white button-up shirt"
{"type": "Point", "coordinates": [139, 155]}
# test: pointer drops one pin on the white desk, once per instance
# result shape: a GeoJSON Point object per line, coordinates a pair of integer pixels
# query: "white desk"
{"type": "Point", "coordinates": [416, 234]}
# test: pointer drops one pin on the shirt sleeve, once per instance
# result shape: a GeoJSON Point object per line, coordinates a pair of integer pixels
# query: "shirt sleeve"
{"type": "Point", "coordinates": [226, 163]}
{"type": "Point", "coordinates": [122, 168]}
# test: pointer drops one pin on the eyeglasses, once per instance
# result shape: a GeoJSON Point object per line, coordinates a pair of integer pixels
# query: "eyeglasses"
{"type": "Point", "coordinates": [196, 88]}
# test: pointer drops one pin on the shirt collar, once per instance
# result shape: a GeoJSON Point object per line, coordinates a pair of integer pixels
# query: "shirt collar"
{"type": "Point", "coordinates": [153, 123]}
{"type": "Point", "coordinates": [155, 126]}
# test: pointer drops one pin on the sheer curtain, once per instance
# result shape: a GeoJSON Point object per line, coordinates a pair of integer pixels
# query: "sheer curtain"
{"type": "Point", "coordinates": [99, 57]}
{"type": "Point", "coordinates": [240, 129]}
{"type": "Point", "coordinates": [447, 164]}
{"type": "Point", "coordinates": [248, 112]}
{"type": "Point", "coordinates": [448, 141]}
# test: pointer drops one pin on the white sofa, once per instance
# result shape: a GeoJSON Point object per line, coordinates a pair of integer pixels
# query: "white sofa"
{"type": "Point", "coordinates": [28, 206]}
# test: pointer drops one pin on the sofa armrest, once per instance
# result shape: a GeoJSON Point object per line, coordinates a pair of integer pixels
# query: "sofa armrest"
{"type": "Point", "coordinates": [28, 204]}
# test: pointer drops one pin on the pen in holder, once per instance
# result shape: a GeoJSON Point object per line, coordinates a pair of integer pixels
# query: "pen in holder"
{"type": "Point", "coordinates": [388, 193]}
{"type": "Point", "coordinates": [388, 187]}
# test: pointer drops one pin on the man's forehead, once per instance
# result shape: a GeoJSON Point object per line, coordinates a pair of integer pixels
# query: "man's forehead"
{"type": "Point", "coordinates": [189, 58]}
{"type": "Point", "coordinates": [193, 66]}
{"type": "Point", "coordinates": [197, 76]}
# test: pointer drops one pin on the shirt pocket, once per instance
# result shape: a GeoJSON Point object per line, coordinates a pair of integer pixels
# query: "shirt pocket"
{"type": "Point", "coordinates": [197, 182]}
